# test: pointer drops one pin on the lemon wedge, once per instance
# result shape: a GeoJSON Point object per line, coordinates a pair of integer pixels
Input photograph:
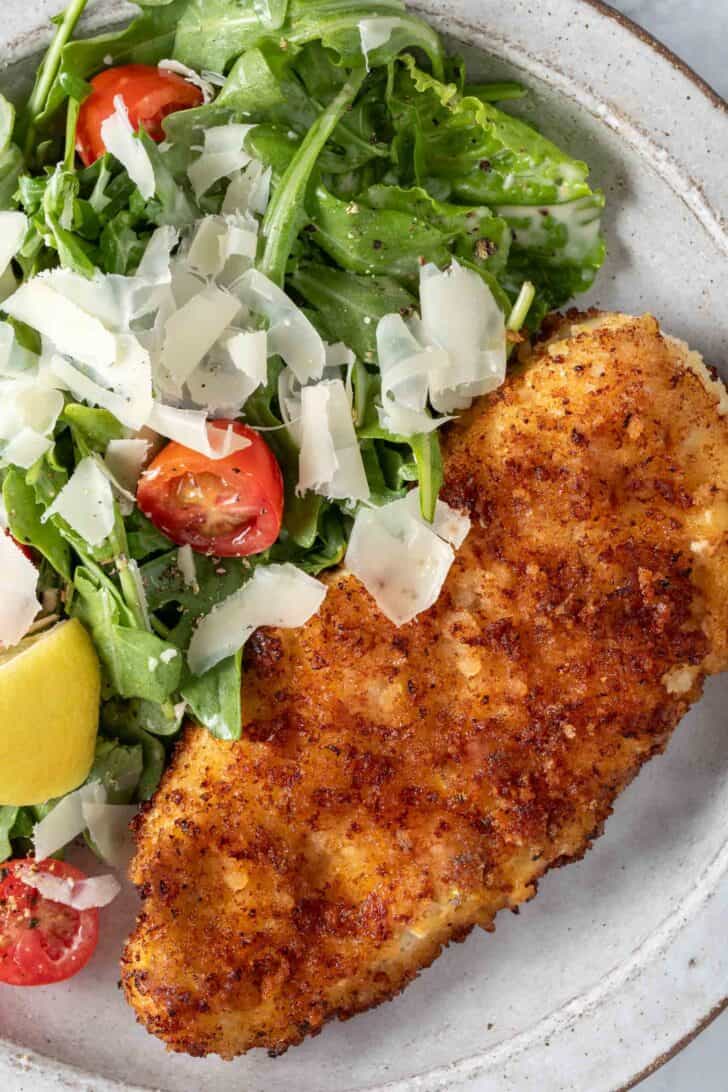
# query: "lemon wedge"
{"type": "Point", "coordinates": [50, 686]}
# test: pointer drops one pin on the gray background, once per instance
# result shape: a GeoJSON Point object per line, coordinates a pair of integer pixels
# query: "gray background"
{"type": "Point", "coordinates": [697, 30]}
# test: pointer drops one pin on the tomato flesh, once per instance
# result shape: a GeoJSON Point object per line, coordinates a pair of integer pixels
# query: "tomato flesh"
{"type": "Point", "coordinates": [229, 507]}
{"type": "Point", "coordinates": [22, 547]}
{"type": "Point", "coordinates": [149, 94]}
{"type": "Point", "coordinates": [42, 941]}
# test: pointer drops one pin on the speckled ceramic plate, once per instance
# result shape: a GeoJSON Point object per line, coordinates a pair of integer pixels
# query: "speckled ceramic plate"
{"type": "Point", "coordinates": [622, 956]}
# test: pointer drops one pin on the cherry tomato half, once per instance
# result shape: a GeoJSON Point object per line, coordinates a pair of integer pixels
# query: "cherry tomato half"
{"type": "Point", "coordinates": [150, 94]}
{"type": "Point", "coordinates": [21, 546]}
{"type": "Point", "coordinates": [228, 507]}
{"type": "Point", "coordinates": [42, 941]}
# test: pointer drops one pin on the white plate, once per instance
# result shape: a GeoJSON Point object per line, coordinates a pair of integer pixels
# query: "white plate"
{"type": "Point", "coordinates": [624, 954]}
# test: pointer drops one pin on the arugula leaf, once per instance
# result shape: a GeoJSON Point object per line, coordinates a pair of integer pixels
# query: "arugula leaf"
{"type": "Point", "coordinates": [149, 717]}
{"type": "Point", "coordinates": [389, 230]}
{"type": "Point", "coordinates": [286, 213]}
{"type": "Point", "coordinates": [154, 758]}
{"type": "Point", "coordinates": [7, 123]}
{"type": "Point", "coordinates": [143, 538]}
{"type": "Point", "coordinates": [24, 520]}
{"type": "Point", "coordinates": [8, 815]}
{"type": "Point", "coordinates": [214, 698]}
{"type": "Point", "coordinates": [350, 306]}
{"type": "Point", "coordinates": [11, 168]}
{"type": "Point", "coordinates": [121, 248]}
{"type": "Point", "coordinates": [557, 248]}
{"type": "Point", "coordinates": [118, 768]}
{"type": "Point", "coordinates": [483, 155]}
{"type": "Point", "coordinates": [326, 534]}
{"type": "Point", "coordinates": [137, 663]}
{"type": "Point", "coordinates": [273, 85]}
{"type": "Point", "coordinates": [211, 33]}
{"type": "Point", "coordinates": [96, 427]}
{"type": "Point", "coordinates": [216, 579]}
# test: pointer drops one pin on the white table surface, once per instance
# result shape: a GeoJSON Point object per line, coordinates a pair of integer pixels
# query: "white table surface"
{"type": "Point", "coordinates": [697, 30]}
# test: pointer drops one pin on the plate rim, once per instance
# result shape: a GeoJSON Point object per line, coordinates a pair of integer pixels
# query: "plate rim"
{"type": "Point", "coordinates": [15, 1060]}
{"type": "Point", "coordinates": [720, 104]}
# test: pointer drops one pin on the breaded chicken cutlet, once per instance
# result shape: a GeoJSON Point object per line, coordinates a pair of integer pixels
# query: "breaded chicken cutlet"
{"type": "Point", "coordinates": [395, 787]}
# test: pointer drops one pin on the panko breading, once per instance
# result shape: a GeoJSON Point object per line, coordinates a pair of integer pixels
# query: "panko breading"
{"type": "Point", "coordinates": [394, 787]}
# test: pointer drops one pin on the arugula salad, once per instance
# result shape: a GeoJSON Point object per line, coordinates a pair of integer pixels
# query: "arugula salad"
{"type": "Point", "coordinates": [253, 255]}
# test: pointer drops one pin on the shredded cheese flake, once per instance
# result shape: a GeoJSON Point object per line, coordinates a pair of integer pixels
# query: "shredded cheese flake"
{"type": "Point", "coordinates": [275, 595]}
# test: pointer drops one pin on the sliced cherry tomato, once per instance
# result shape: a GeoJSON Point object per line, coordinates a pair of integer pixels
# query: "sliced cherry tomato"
{"type": "Point", "coordinates": [21, 546]}
{"type": "Point", "coordinates": [228, 507]}
{"type": "Point", "coordinates": [42, 941]}
{"type": "Point", "coordinates": [149, 94]}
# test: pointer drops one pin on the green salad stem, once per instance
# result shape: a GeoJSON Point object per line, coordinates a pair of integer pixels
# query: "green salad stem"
{"type": "Point", "coordinates": [49, 68]}
{"type": "Point", "coordinates": [520, 309]}
{"type": "Point", "coordinates": [74, 108]}
{"type": "Point", "coordinates": [282, 220]}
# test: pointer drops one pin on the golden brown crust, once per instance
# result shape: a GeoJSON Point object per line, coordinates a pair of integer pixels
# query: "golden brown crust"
{"type": "Point", "coordinates": [395, 787]}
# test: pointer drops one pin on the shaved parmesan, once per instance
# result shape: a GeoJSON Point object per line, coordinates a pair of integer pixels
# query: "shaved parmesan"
{"type": "Point", "coordinates": [190, 333]}
{"type": "Point", "coordinates": [217, 385]}
{"type": "Point", "coordinates": [25, 448]}
{"type": "Point", "coordinates": [376, 32]}
{"type": "Point", "coordinates": [18, 601]}
{"type": "Point", "coordinates": [28, 414]}
{"type": "Point", "coordinates": [85, 894]}
{"type": "Point", "coordinates": [249, 191]}
{"type": "Point", "coordinates": [86, 503]}
{"type": "Point", "coordinates": [223, 154]}
{"type": "Point", "coordinates": [404, 365]}
{"type": "Point", "coordinates": [317, 460]}
{"type": "Point", "coordinates": [448, 524]}
{"type": "Point", "coordinates": [248, 350]}
{"type": "Point", "coordinates": [187, 566]}
{"type": "Point", "coordinates": [241, 237]}
{"type": "Point", "coordinates": [289, 400]}
{"type": "Point", "coordinates": [108, 829]}
{"type": "Point", "coordinates": [290, 335]}
{"type": "Point", "coordinates": [155, 260]}
{"type": "Point", "coordinates": [72, 330]}
{"type": "Point", "coordinates": [461, 316]}
{"type": "Point", "coordinates": [400, 559]}
{"type": "Point", "coordinates": [13, 229]}
{"type": "Point", "coordinates": [185, 283]}
{"type": "Point", "coordinates": [205, 254]}
{"type": "Point", "coordinates": [65, 822]}
{"type": "Point", "coordinates": [120, 139]}
{"type": "Point", "coordinates": [330, 462]}
{"type": "Point", "coordinates": [125, 459]}
{"type": "Point", "coordinates": [339, 355]}
{"type": "Point", "coordinates": [219, 238]}
{"type": "Point", "coordinates": [131, 408]}
{"type": "Point", "coordinates": [224, 384]}
{"type": "Point", "coordinates": [16, 362]}
{"type": "Point", "coordinates": [192, 429]}
{"type": "Point", "coordinates": [455, 352]}
{"type": "Point", "coordinates": [190, 76]}
{"type": "Point", "coordinates": [275, 595]}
